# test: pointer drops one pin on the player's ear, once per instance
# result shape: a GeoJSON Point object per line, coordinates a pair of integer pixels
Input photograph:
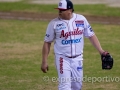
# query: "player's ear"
{"type": "Point", "coordinates": [71, 10]}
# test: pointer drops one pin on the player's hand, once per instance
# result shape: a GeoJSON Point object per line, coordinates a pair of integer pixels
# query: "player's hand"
{"type": "Point", "coordinates": [44, 67]}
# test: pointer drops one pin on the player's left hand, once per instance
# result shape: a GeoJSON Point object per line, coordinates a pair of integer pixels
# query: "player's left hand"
{"type": "Point", "coordinates": [107, 60]}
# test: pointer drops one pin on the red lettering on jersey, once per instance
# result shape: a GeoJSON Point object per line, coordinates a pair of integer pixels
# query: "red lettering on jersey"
{"type": "Point", "coordinates": [75, 32]}
{"type": "Point", "coordinates": [61, 65]}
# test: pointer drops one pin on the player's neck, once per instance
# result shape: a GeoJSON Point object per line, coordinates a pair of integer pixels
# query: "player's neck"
{"type": "Point", "coordinates": [66, 18]}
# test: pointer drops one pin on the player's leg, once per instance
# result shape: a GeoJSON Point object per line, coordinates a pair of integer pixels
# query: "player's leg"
{"type": "Point", "coordinates": [77, 74]}
{"type": "Point", "coordinates": [64, 72]}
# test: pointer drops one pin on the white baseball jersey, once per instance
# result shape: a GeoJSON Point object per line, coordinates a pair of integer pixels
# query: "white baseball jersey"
{"type": "Point", "coordinates": [68, 35]}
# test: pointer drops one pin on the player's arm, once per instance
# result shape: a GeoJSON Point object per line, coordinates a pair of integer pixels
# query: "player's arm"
{"type": "Point", "coordinates": [45, 52]}
{"type": "Point", "coordinates": [94, 40]}
{"type": "Point", "coordinates": [49, 37]}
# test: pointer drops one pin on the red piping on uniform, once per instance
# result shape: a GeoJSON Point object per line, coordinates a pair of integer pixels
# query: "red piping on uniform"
{"type": "Point", "coordinates": [70, 37]}
{"type": "Point", "coordinates": [74, 29]}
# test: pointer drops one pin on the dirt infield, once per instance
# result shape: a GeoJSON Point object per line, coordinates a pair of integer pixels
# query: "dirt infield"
{"type": "Point", "coordinates": [49, 16]}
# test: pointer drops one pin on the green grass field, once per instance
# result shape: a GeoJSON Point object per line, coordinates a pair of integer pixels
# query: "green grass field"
{"type": "Point", "coordinates": [20, 57]}
{"type": "Point", "coordinates": [20, 53]}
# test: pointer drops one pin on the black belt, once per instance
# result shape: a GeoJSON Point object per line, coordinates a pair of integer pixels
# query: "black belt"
{"type": "Point", "coordinates": [73, 56]}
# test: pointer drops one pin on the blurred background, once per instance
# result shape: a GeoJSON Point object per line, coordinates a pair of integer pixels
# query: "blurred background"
{"type": "Point", "coordinates": [114, 3]}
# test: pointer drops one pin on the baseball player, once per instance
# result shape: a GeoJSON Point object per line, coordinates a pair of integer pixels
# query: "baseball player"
{"type": "Point", "coordinates": [67, 31]}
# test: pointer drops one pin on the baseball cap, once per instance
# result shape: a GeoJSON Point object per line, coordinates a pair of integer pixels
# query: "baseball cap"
{"type": "Point", "coordinates": [64, 5]}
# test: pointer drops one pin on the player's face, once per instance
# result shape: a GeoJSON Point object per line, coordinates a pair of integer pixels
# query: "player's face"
{"type": "Point", "coordinates": [65, 14]}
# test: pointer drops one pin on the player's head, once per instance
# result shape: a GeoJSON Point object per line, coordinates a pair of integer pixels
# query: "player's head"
{"type": "Point", "coordinates": [65, 5]}
{"type": "Point", "coordinates": [65, 8]}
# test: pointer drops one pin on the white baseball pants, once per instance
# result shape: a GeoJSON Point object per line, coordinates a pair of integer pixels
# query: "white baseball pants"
{"type": "Point", "coordinates": [70, 72]}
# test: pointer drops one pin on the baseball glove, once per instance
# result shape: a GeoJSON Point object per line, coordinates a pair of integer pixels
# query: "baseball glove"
{"type": "Point", "coordinates": [107, 61]}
